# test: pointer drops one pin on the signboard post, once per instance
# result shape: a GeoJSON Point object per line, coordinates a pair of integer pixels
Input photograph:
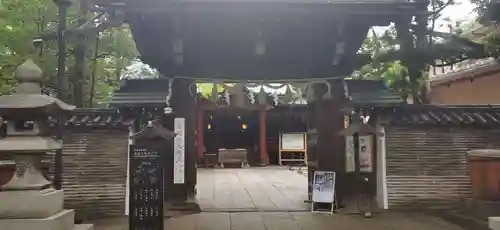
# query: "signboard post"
{"type": "Point", "coordinates": [323, 195]}
{"type": "Point", "coordinates": [362, 149]}
{"type": "Point", "coordinates": [146, 180]}
{"type": "Point", "coordinates": [146, 188]}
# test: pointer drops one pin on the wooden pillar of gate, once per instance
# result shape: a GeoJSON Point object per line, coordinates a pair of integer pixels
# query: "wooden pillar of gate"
{"type": "Point", "coordinates": [184, 105]}
{"type": "Point", "coordinates": [324, 121]}
{"type": "Point", "coordinates": [263, 136]}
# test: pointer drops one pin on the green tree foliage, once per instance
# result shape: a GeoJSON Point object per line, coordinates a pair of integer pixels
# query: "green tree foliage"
{"type": "Point", "coordinates": [20, 21]}
{"type": "Point", "coordinates": [405, 66]}
{"type": "Point", "coordinates": [206, 89]}
{"type": "Point", "coordinates": [392, 72]}
{"type": "Point", "coordinates": [108, 52]}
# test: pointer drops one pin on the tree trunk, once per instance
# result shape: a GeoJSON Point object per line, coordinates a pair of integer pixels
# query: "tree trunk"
{"type": "Point", "coordinates": [80, 76]}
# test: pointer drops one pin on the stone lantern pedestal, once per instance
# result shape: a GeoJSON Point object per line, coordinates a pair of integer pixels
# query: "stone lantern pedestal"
{"type": "Point", "coordinates": [28, 201]}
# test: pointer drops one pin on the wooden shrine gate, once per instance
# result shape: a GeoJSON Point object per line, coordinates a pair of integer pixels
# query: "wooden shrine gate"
{"type": "Point", "coordinates": [270, 41]}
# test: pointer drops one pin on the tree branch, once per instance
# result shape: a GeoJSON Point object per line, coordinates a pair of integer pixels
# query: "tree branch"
{"type": "Point", "coordinates": [435, 13]}
{"type": "Point", "coordinates": [88, 30]}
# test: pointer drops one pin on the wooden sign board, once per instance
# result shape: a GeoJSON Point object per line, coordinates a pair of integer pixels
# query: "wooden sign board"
{"type": "Point", "coordinates": [146, 188]}
{"type": "Point", "coordinates": [293, 141]}
{"type": "Point", "coordinates": [293, 148]}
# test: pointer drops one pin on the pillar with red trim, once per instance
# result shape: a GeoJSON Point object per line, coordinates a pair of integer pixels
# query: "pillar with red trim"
{"type": "Point", "coordinates": [200, 145]}
{"type": "Point", "coordinates": [262, 100]}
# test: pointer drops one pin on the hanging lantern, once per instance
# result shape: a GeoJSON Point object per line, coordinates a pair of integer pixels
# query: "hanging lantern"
{"type": "Point", "coordinates": [251, 96]}
{"type": "Point", "coordinates": [328, 94]}
{"type": "Point", "coordinates": [167, 109]}
{"type": "Point", "coordinates": [262, 97]}
{"type": "Point", "coordinates": [239, 95]}
{"type": "Point", "coordinates": [215, 92]}
{"type": "Point", "coordinates": [288, 97]}
{"type": "Point", "coordinates": [260, 48]}
{"type": "Point", "coordinates": [260, 44]}
{"type": "Point", "coordinates": [227, 95]}
{"type": "Point", "coordinates": [275, 98]}
{"type": "Point", "coordinates": [310, 97]}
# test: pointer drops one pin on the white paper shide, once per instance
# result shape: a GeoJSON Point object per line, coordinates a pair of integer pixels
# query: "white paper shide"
{"type": "Point", "coordinates": [179, 150]}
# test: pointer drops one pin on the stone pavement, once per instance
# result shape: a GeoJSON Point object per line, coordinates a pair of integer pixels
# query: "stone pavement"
{"type": "Point", "coordinates": [272, 198]}
{"type": "Point", "coordinates": [294, 221]}
{"type": "Point", "coordinates": [251, 189]}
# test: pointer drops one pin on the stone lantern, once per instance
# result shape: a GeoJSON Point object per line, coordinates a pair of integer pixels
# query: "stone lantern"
{"type": "Point", "coordinates": [28, 200]}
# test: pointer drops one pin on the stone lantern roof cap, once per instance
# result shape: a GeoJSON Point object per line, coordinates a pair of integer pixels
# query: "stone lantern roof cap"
{"type": "Point", "coordinates": [27, 98]}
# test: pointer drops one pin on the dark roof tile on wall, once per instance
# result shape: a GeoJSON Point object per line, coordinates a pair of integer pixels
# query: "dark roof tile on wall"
{"type": "Point", "coordinates": [442, 115]}
{"type": "Point", "coordinates": [95, 118]}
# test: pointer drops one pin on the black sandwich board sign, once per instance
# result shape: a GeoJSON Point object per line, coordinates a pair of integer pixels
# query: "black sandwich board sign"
{"type": "Point", "coordinates": [146, 188]}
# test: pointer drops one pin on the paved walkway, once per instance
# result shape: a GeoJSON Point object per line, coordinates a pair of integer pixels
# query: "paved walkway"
{"type": "Point", "coordinates": [294, 221]}
{"type": "Point", "coordinates": [271, 199]}
{"type": "Point", "coordinates": [251, 189]}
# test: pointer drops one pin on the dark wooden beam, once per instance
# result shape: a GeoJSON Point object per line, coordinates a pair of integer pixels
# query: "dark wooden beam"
{"type": "Point", "coordinates": [273, 7]}
{"type": "Point", "coordinates": [255, 71]}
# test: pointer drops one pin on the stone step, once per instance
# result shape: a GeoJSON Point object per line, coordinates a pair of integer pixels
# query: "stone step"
{"type": "Point", "coordinates": [84, 227]}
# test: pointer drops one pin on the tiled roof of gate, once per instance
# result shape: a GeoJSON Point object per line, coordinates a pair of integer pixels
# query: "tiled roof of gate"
{"type": "Point", "coordinates": [95, 118]}
{"type": "Point", "coordinates": [468, 115]}
{"type": "Point", "coordinates": [141, 92]}
{"type": "Point", "coordinates": [371, 93]}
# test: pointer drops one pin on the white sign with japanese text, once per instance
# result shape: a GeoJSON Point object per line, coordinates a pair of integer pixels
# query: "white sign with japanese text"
{"type": "Point", "coordinates": [350, 160]}
{"type": "Point", "coordinates": [179, 150]}
{"type": "Point", "coordinates": [324, 187]}
{"type": "Point", "coordinates": [365, 154]}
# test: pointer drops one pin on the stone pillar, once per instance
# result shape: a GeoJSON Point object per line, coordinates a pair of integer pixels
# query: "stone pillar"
{"type": "Point", "coordinates": [28, 200]}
